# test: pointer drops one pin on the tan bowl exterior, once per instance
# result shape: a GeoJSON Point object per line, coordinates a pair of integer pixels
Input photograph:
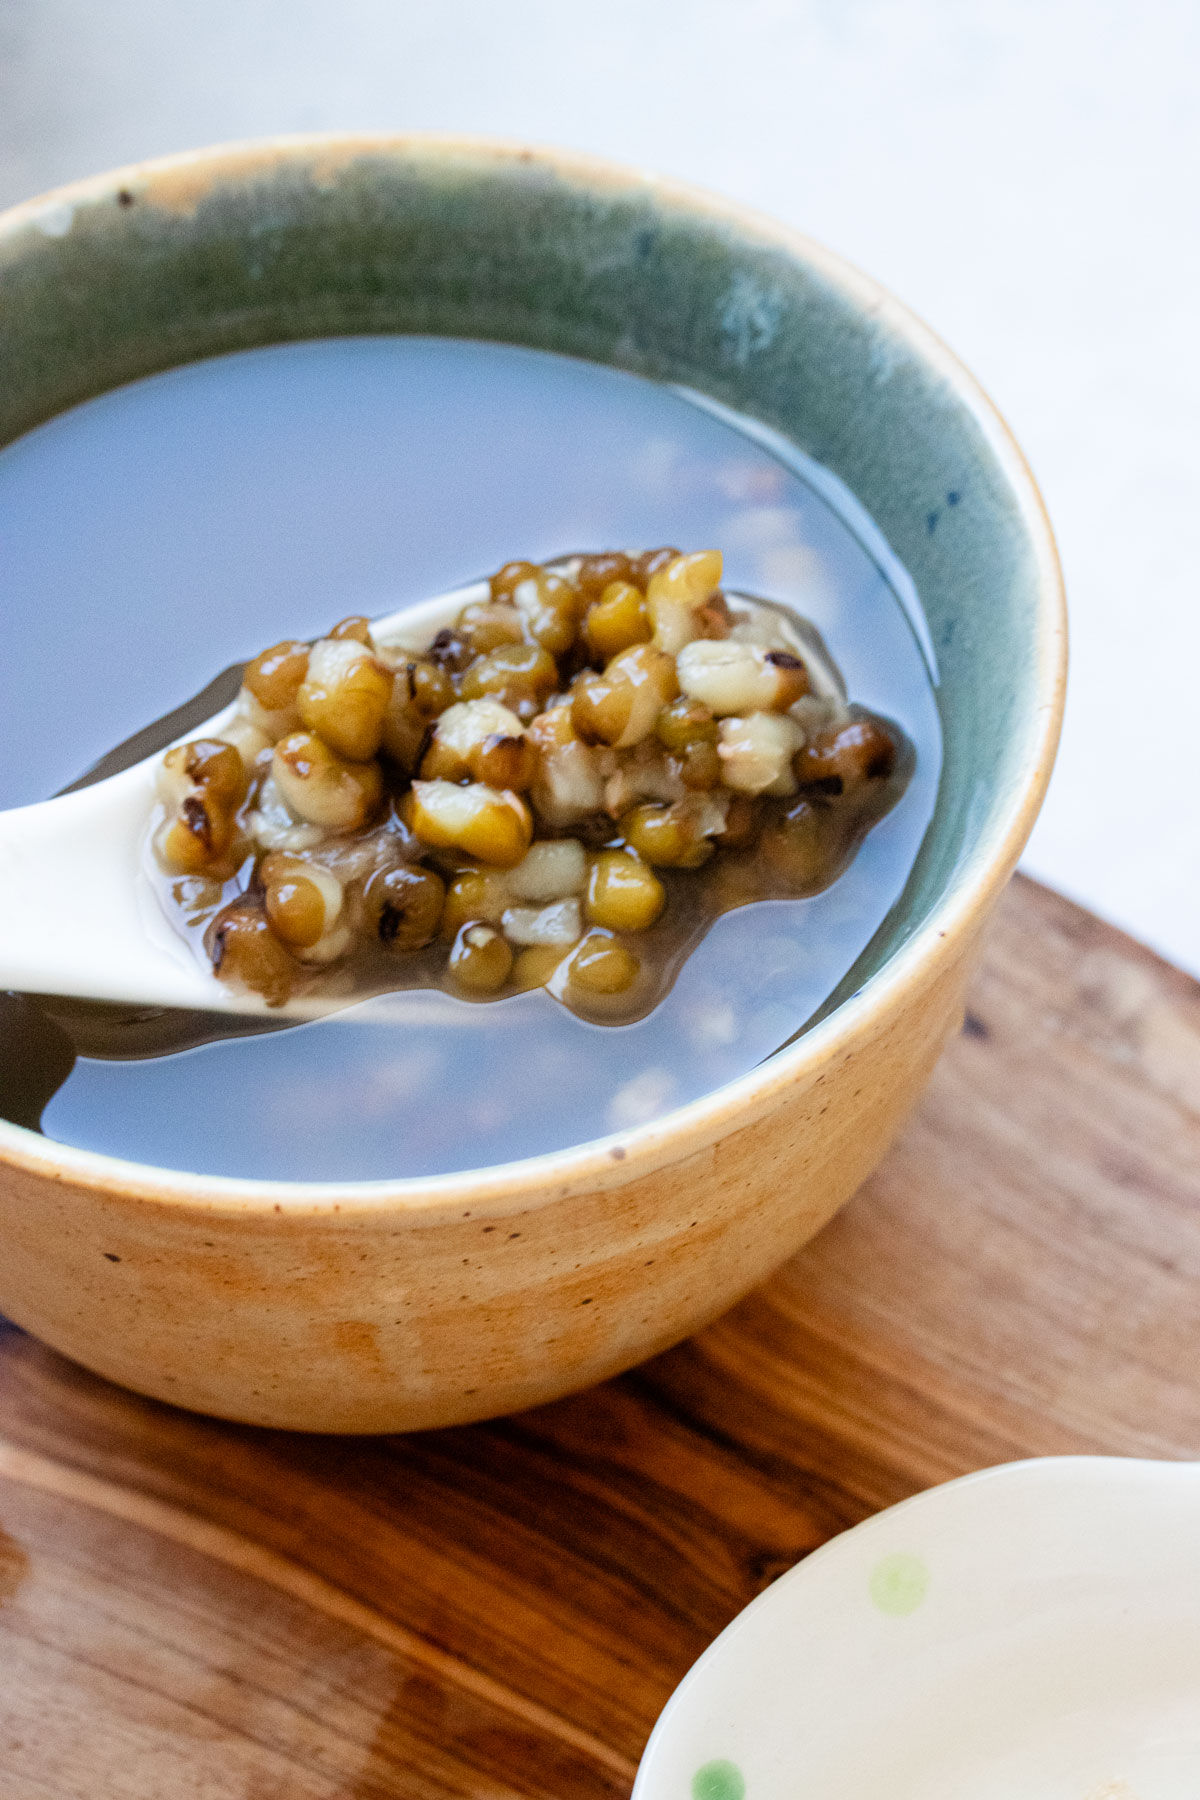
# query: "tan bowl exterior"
{"type": "Point", "coordinates": [389, 1307]}
{"type": "Point", "coordinates": [385, 1317]}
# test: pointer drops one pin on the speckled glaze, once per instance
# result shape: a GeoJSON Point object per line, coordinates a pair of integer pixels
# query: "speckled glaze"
{"type": "Point", "coordinates": [393, 1305]}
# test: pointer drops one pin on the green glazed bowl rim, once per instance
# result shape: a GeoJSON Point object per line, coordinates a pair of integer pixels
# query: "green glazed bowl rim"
{"type": "Point", "coordinates": [943, 935]}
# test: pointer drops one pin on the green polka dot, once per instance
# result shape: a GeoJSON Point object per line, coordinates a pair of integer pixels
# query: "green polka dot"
{"type": "Point", "coordinates": [898, 1583]}
{"type": "Point", "coordinates": [719, 1780]}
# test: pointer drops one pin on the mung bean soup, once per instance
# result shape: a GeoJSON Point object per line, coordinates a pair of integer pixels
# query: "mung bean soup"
{"type": "Point", "coordinates": [618, 798]}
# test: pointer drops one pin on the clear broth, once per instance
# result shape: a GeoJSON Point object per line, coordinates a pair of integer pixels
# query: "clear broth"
{"type": "Point", "coordinates": [162, 530]}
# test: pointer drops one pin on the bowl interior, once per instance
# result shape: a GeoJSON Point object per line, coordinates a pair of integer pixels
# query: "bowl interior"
{"type": "Point", "coordinates": [168, 263]}
{"type": "Point", "coordinates": [1033, 1630]}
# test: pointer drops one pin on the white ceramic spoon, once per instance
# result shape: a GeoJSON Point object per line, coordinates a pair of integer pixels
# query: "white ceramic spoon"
{"type": "Point", "coordinates": [1028, 1633]}
{"type": "Point", "coordinates": [78, 916]}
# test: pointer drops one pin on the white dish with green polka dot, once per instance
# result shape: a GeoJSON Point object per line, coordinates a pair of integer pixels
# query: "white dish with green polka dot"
{"type": "Point", "coordinates": [1028, 1633]}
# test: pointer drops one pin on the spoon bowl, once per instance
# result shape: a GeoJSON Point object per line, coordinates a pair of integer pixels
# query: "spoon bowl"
{"type": "Point", "coordinates": [117, 946]}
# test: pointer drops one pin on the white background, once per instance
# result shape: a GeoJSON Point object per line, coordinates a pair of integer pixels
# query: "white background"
{"type": "Point", "coordinates": [1025, 173]}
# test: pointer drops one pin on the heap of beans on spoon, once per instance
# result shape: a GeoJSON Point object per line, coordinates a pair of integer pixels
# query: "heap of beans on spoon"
{"type": "Point", "coordinates": [562, 790]}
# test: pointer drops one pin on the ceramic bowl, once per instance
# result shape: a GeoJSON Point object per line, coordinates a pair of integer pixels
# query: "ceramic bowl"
{"type": "Point", "coordinates": [1031, 1631]}
{"type": "Point", "coordinates": [392, 1305]}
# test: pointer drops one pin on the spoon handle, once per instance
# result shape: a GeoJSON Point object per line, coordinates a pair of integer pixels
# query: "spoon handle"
{"type": "Point", "coordinates": [76, 915]}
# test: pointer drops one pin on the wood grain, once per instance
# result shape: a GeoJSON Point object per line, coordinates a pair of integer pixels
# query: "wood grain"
{"type": "Point", "coordinates": [215, 1613]}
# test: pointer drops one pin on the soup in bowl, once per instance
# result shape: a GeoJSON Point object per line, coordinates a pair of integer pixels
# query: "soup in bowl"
{"type": "Point", "coordinates": [261, 396]}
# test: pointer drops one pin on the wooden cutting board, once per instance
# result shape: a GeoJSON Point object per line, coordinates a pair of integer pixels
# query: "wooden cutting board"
{"type": "Point", "coordinates": [196, 1611]}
